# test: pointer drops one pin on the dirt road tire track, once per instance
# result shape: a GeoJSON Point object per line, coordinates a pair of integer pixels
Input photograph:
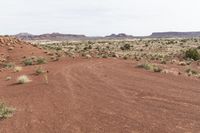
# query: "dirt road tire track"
{"type": "Point", "coordinates": [102, 95]}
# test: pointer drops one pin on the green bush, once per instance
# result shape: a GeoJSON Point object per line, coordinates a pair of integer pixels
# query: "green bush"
{"type": "Point", "coordinates": [192, 54]}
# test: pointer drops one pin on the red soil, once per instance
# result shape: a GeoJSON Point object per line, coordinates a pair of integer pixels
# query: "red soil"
{"type": "Point", "coordinates": [18, 50]}
{"type": "Point", "coordinates": [100, 96]}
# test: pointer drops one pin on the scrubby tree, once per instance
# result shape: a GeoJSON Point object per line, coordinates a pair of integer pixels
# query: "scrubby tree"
{"type": "Point", "coordinates": [192, 54]}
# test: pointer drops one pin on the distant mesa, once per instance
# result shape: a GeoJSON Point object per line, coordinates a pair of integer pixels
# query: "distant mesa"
{"type": "Point", "coordinates": [175, 34]}
{"type": "Point", "coordinates": [121, 35]}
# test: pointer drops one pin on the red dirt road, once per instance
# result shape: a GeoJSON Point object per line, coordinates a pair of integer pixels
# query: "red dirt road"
{"type": "Point", "coordinates": [101, 96]}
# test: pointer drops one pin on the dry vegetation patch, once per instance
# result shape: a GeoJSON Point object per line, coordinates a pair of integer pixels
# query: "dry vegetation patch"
{"type": "Point", "coordinates": [5, 111]}
{"type": "Point", "coordinates": [182, 52]}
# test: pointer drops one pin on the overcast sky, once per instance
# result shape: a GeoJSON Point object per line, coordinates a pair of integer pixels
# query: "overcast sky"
{"type": "Point", "coordinates": [98, 17]}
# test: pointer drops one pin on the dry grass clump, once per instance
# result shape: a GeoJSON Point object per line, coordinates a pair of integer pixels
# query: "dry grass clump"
{"type": "Point", "coordinates": [8, 78]}
{"type": "Point", "coordinates": [182, 63]}
{"type": "Point", "coordinates": [171, 71]}
{"type": "Point", "coordinates": [5, 111]}
{"type": "Point", "coordinates": [39, 71]}
{"type": "Point", "coordinates": [23, 79]}
{"type": "Point", "coordinates": [17, 69]}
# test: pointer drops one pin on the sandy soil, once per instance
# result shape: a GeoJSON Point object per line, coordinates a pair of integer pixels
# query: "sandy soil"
{"type": "Point", "coordinates": [100, 96]}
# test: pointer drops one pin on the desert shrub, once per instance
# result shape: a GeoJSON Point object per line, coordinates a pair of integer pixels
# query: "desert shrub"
{"type": "Point", "coordinates": [54, 58]}
{"type": "Point", "coordinates": [191, 72]}
{"type": "Point", "coordinates": [90, 42]}
{"type": "Point", "coordinates": [104, 56]}
{"type": "Point", "coordinates": [23, 79]}
{"type": "Point", "coordinates": [183, 63]}
{"type": "Point", "coordinates": [5, 111]}
{"type": "Point", "coordinates": [126, 47]}
{"type": "Point", "coordinates": [192, 54]}
{"type": "Point", "coordinates": [150, 67]}
{"type": "Point", "coordinates": [40, 60]}
{"type": "Point", "coordinates": [89, 47]}
{"type": "Point", "coordinates": [157, 69]}
{"type": "Point", "coordinates": [163, 62]}
{"type": "Point", "coordinates": [125, 57]}
{"type": "Point", "coordinates": [34, 60]}
{"type": "Point", "coordinates": [39, 70]}
{"type": "Point", "coordinates": [9, 65]}
{"type": "Point", "coordinates": [28, 62]}
{"type": "Point", "coordinates": [184, 40]}
{"type": "Point", "coordinates": [58, 48]}
{"type": "Point", "coordinates": [146, 66]}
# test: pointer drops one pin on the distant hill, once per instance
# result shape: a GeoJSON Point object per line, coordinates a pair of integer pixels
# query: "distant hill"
{"type": "Point", "coordinates": [52, 36]}
{"type": "Point", "coordinates": [121, 36]}
{"type": "Point", "coordinates": [175, 34]}
{"type": "Point", "coordinates": [60, 37]}
{"type": "Point", "coordinates": [24, 36]}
